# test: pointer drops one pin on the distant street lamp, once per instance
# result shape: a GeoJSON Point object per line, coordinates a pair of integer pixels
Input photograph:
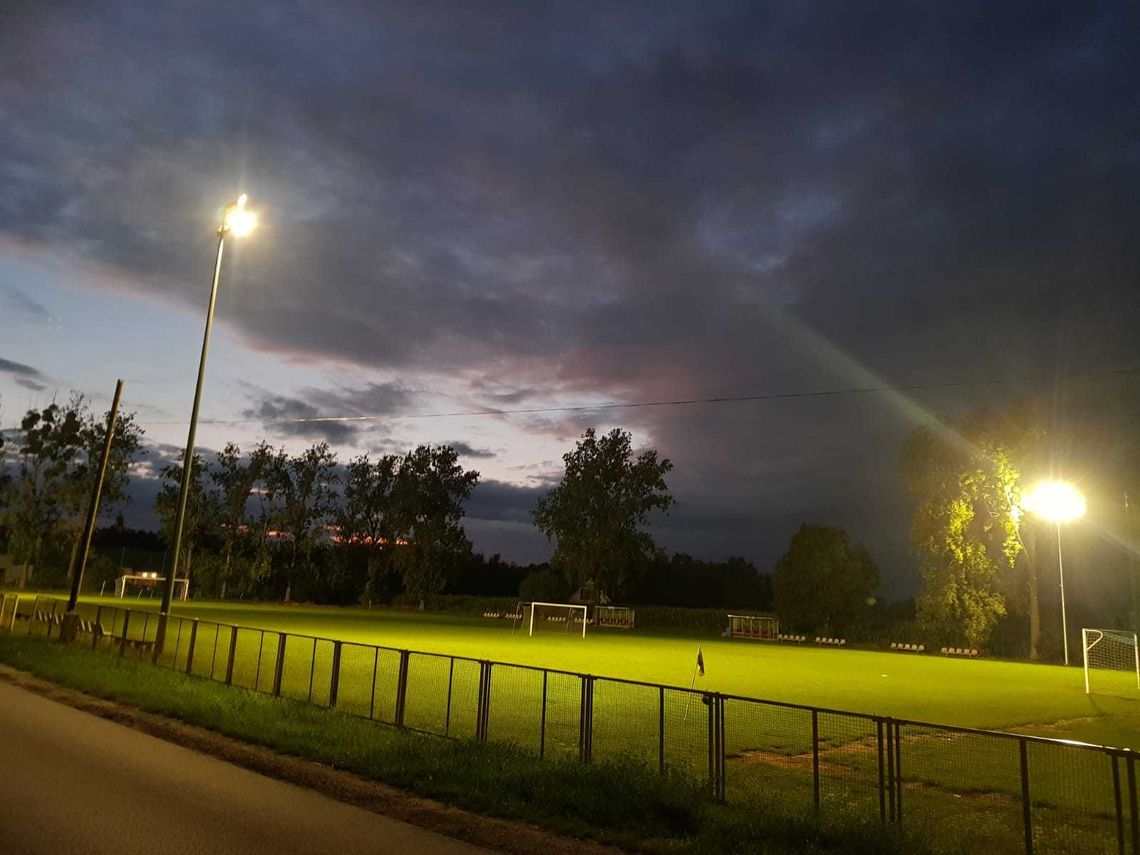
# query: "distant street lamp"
{"type": "Point", "coordinates": [238, 221]}
{"type": "Point", "coordinates": [1057, 502]}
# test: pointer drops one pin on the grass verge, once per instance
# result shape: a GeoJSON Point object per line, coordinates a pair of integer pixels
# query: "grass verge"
{"type": "Point", "coordinates": [620, 802]}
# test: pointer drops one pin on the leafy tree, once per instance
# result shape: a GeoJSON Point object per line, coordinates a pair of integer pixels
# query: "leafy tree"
{"type": "Point", "coordinates": [267, 463]}
{"type": "Point", "coordinates": [429, 493]}
{"type": "Point", "coordinates": [594, 515]}
{"type": "Point", "coordinates": [202, 508]}
{"type": "Point", "coordinates": [305, 485]}
{"type": "Point", "coordinates": [366, 516]}
{"type": "Point", "coordinates": [59, 449]}
{"type": "Point", "coordinates": [234, 479]}
{"type": "Point", "coordinates": [967, 524]}
{"type": "Point", "coordinates": [823, 580]}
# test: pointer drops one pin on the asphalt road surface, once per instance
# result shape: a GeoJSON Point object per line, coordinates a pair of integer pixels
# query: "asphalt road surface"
{"type": "Point", "coordinates": [71, 782]}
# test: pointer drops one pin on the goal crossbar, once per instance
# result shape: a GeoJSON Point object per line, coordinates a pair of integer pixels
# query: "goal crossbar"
{"type": "Point", "coordinates": [151, 581]}
{"type": "Point", "coordinates": [567, 606]}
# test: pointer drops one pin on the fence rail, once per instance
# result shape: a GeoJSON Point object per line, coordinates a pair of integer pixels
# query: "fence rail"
{"type": "Point", "coordinates": [987, 790]}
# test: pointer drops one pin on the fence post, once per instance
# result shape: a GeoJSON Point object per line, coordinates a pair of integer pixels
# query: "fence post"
{"type": "Point", "coordinates": [123, 640]}
{"type": "Point", "coordinates": [898, 774]}
{"type": "Point", "coordinates": [1026, 810]}
{"type": "Point", "coordinates": [190, 646]}
{"type": "Point", "coordinates": [15, 608]}
{"type": "Point", "coordinates": [586, 719]}
{"type": "Point", "coordinates": [1117, 803]}
{"type": "Point", "coordinates": [542, 719]}
{"type": "Point", "coordinates": [882, 775]}
{"type": "Point", "coordinates": [815, 759]}
{"type": "Point", "coordinates": [98, 626]}
{"type": "Point", "coordinates": [334, 677]}
{"type": "Point", "coordinates": [890, 725]}
{"type": "Point", "coordinates": [402, 690]}
{"type": "Point", "coordinates": [710, 703]}
{"type": "Point", "coordinates": [660, 729]}
{"type": "Point", "coordinates": [232, 656]}
{"type": "Point", "coordinates": [483, 717]}
{"type": "Point", "coordinates": [450, 683]}
{"type": "Point", "coordinates": [722, 751]}
{"type": "Point", "coordinates": [279, 668]}
{"type": "Point", "coordinates": [1134, 808]}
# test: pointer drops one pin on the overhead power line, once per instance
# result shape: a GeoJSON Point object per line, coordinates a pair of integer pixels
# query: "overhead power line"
{"type": "Point", "coordinates": [686, 402]}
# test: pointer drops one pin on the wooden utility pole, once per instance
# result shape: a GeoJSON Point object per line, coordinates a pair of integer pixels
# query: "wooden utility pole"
{"type": "Point", "coordinates": [92, 513]}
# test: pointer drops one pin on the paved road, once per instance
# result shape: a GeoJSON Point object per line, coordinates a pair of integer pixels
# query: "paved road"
{"type": "Point", "coordinates": [71, 782]}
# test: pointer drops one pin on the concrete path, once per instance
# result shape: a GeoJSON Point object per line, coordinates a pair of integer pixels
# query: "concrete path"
{"type": "Point", "coordinates": [71, 782]}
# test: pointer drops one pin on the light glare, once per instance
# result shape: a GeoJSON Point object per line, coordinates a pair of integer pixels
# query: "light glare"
{"type": "Point", "coordinates": [238, 221]}
{"type": "Point", "coordinates": [1056, 501]}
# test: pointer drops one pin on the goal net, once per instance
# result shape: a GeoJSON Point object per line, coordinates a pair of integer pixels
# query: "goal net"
{"type": "Point", "coordinates": [560, 617]}
{"type": "Point", "coordinates": [150, 582]}
{"type": "Point", "coordinates": [620, 617]}
{"type": "Point", "coordinates": [753, 626]}
{"type": "Point", "coordinates": [1112, 660]}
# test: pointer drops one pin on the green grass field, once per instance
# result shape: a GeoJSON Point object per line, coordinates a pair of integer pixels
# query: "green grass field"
{"type": "Point", "coordinates": [1041, 699]}
{"type": "Point", "coordinates": [967, 784]}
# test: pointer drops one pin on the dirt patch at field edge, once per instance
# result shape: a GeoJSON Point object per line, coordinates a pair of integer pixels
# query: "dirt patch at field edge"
{"type": "Point", "coordinates": [498, 834]}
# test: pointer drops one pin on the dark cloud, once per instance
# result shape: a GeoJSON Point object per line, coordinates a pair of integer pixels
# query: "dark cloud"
{"type": "Point", "coordinates": [617, 203]}
{"type": "Point", "coordinates": [337, 416]}
{"type": "Point", "coordinates": [286, 416]}
{"type": "Point", "coordinates": [464, 449]}
{"type": "Point", "coordinates": [24, 375]}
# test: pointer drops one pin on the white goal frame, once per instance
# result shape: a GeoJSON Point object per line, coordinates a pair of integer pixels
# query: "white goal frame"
{"type": "Point", "coordinates": [568, 606]}
{"type": "Point", "coordinates": [152, 580]}
{"type": "Point", "coordinates": [1090, 638]}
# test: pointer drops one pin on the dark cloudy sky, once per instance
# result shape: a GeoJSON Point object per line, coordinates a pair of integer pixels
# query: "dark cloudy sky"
{"type": "Point", "coordinates": [470, 206]}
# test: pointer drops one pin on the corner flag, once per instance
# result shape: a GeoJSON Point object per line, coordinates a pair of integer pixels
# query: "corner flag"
{"type": "Point", "coordinates": [700, 662]}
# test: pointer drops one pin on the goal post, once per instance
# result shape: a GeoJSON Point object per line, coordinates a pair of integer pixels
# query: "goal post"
{"type": "Point", "coordinates": [1113, 650]}
{"type": "Point", "coordinates": [565, 613]}
{"type": "Point", "coordinates": [753, 626]}
{"type": "Point", "coordinates": [150, 581]}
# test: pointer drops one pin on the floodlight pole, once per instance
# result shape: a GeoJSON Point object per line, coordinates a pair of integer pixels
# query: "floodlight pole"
{"type": "Point", "coordinates": [188, 458]}
{"type": "Point", "coordinates": [1061, 571]}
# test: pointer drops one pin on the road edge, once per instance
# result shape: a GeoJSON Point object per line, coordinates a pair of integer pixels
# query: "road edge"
{"type": "Point", "coordinates": [502, 835]}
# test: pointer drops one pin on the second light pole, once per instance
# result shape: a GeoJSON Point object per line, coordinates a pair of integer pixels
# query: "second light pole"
{"type": "Point", "coordinates": [238, 221]}
{"type": "Point", "coordinates": [1057, 502]}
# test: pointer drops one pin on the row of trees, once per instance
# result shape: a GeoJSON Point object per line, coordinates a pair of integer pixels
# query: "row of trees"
{"type": "Point", "coordinates": [266, 522]}
{"type": "Point", "coordinates": [271, 519]}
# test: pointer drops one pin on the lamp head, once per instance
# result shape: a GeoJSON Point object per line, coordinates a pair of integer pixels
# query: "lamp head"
{"type": "Point", "coordinates": [237, 219]}
{"type": "Point", "coordinates": [1055, 501]}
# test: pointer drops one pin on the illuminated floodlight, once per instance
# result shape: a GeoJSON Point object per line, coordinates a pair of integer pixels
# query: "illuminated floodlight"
{"type": "Point", "coordinates": [1055, 501]}
{"type": "Point", "coordinates": [239, 220]}
{"type": "Point", "coordinates": [1058, 503]}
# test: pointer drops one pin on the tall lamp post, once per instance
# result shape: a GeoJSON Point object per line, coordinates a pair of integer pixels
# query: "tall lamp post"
{"type": "Point", "coordinates": [1057, 502]}
{"type": "Point", "coordinates": [238, 221]}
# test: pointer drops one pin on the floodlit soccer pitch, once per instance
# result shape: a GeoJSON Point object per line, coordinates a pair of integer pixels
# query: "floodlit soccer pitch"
{"type": "Point", "coordinates": [1045, 700]}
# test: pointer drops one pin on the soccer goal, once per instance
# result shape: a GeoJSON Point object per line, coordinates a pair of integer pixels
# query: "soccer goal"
{"type": "Point", "coordinates": [150, 582]}
{"type": "Point", "coordinates": [1112, 650]}
{"type": "Point", "coordinates": [620, 617]}
{"type": "Point", "coordinates": [562, 616]}
{"type": "Point", "coordinates": [753, 626]}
